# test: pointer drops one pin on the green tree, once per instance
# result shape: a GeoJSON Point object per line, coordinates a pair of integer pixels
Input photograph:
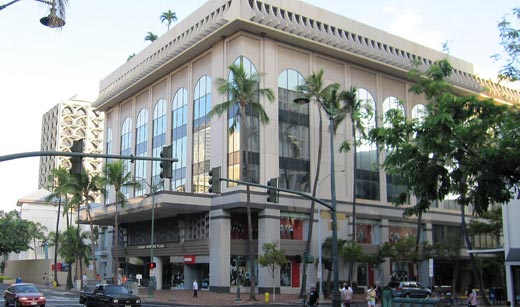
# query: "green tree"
{"type": "Point", "coordinates": [150, 37]}
{"type": "Point", "coordinates": [169, 17]}
{"type": "Point", "coordinates": [465, 146]}
{"type": "Point", "coordinates": [85, 189]}
{"type": "Point", "coordinates": [73, 247]}
{"type": "Point", "coordinates": [326, 248]}
{"type": "Point", "coordinates": [60, 188]}
{"type": "Point", "coordinates": [351, 252]}
{"type": "Point", "coordinates": [315, 90]}
{"type": "Point", "coordinates": [273, 259]}
{"type": "Point", "coordinates": [16, 233]}
{"type": "Point", "coordinates": [38, 233]}
{"type": "Point", "coordinates": [510, 41]}
{"type": "Point", "coordinates": [116, 175]}
{"type": "Point", "coordinates": [242, 90]}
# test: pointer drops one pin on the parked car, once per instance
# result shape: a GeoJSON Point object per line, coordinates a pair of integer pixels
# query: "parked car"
{"type": "Point", "coordinates": [105, 295]}
{"type": "Point", "coordinates": [24, 294]}
{"type": "Point", "coordinates": [409, 289]}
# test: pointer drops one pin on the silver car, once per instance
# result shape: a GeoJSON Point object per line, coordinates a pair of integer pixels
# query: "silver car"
{"type": "Point", "coordinates": [409, 289]}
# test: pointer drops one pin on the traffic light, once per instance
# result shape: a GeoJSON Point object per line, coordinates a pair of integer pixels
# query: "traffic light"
{"type": "Point", "coordinates": [272, 195]}
{"type": "Point", "coordinates": [152, 265]}
{"type": "Point", "coordinates": [76, 162]}
{"type": "Point", "coordinates": [166, 166]}
{"type": "Point", "coordinates": [214, 180]}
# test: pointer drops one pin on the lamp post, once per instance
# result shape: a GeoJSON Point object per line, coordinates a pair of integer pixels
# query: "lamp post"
{"type": "Point", "coordinates": [336, 301]}
{"type": "Point", "coordinates": [320, 270]}
{"type": "Point", "coordinates": [153, 189]}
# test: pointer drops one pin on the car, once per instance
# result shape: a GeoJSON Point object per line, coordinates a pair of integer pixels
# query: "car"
{"type": "Point", "coordinates": [24, 294]}
{"type": "Point", "coordinates": [409, 289]}
{"type": "Point", "coordinates": [109, 296]}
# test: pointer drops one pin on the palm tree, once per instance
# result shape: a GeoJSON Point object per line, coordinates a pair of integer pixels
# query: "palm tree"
{"type": "Point", "coordinates": [150, 37]}
{"type": "Point", "coordinates": [115, 174]}
{"type": "Point", "coordinates": [242, 89]}
{"type": "Point", "coordinates": [73, 247]}
{"type": "Point", "coordinates": [86, 188]}
{"type": "Point", "coordinates": [169, 17]}
{"type": "Point", "coordinates": [60, 5]}
{"type": "Point", "coordinates": [315, 89]}
{"type": "Point", "coordinates": [38, 233]}
{"type": "Point", "coordinates": [61, 187]}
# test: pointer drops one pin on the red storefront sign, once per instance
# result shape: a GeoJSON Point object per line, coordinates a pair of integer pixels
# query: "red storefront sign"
{"type": "Point", "coordinates": [189, 259]}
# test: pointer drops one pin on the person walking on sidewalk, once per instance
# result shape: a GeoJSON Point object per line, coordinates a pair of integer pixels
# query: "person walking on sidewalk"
{"type": "Point", "coordinates": [46, 280]}
{"type": "Point", "coordinates": [195, 288]}
{"type": "Point", "coordinates": [472, 298]}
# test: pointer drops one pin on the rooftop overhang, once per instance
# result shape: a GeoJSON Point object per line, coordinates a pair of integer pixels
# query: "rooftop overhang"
{"type": "Point", "coordinates": [381, 51]}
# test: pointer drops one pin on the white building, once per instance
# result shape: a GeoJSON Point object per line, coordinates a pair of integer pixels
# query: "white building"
{"type": "Point", "coordinates": [511, 215]}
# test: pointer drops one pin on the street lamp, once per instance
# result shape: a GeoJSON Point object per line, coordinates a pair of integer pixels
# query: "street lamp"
{"type": "Point", "coordinates": [336, 301]}
{"type": "Point", "coordinates": [320, 270]}
{"type": "Point", "coordinates": [153, 189]}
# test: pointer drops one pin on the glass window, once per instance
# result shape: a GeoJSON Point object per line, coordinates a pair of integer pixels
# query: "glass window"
{"type": "Point", "coordinates": [158, 139]}
{"type": "Point", "coordinates": [141, 145]}
{"type": "Point", "coordinates": [419, 112]}
{"type": "Point", "coordinates": [201, 134]}
{"type": "Point", "coordinates": [179, 138]}
{"type": "Point", "coordinates": [393, 188]}
{"type": "Point", "coordinates": [253, 135]}
{"type": "Point", "coordinates": [367, 172]}
{"type": "Point", "coordinates": [293, 136]}
{"type": "Point", "coordinates": [126, 149]}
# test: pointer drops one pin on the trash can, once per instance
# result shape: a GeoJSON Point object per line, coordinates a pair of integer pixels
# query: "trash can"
{"type": "Point", "coordinates": [18, 280]}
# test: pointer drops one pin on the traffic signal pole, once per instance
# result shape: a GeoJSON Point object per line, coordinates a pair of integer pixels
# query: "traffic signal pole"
{"type": "Point", "coordinates": [81, 155]}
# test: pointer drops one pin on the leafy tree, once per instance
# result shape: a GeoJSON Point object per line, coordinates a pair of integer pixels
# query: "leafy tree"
{"type": "Point", "coordinates": [465, 146]}
{"type": "Point", "coordinates": [116, 175]}
{"type": "Point", "coordinates": [326, 247]}
{"type": "Point", "coordinates": [351, 253]}
{"type": "Point", "coordinates": [130, 57]}
{"type": "Point", "coordinates": [16, 233]}
{"type": "Point", "coordinates": [169, 17]}
{"type": "Point", "coordinates": [510, 41]}
{"type": "Point", "coordinates": [242, 90]}
{"type": "Point", "coordinates": [38, 233]}
{"type": "Point", "coordinates": [150, 37]}
{"type": "Point", "coordinates": [273, 259]}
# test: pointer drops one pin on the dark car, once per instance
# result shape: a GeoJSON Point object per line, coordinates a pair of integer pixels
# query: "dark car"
{"type": "Point", "coordinates": [409, 289]}
{"type": "Point", "coordinates": [24, 294]}
{"type": "Point", "coordinates": [105, 295]}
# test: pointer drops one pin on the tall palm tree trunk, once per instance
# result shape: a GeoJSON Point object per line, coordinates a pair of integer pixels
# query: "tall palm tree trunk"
{"type": "Point", "coordinates": [303, 291]}
{"type": "Point", "coordinates": [351, 265]}
{"type": "Point", "coordinates": [116, 247]}
{"type": "Point", "coordinates": [92, 240]}
{"type": "Point", "coordinates": [56, 244]}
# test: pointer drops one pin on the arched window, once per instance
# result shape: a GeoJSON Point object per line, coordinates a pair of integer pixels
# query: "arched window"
{"type": "Point", "coordinates": [251, 141]}
{"type": "Point", "coordinates": [179, 139]}
{"type": "Point", "coordinates": [367, 173]}
{"type": "Point", "coordinates": [201, 134]}
{"type": "Point", "coordinates": [126, 149]}
{"type": "Point", "coordinates": [393, 188]}
{"type": "Point", "coordinates": [160, 120]}
{"type": "Point", "coordinates": [141, 144]}
{"type": "Point", "coordinates": [293, 135]}
{"type": "Point", "coordinates": [419, 112]}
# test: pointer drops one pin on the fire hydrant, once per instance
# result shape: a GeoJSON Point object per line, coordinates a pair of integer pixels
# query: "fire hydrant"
{"type": "Point", "coordinates": [266, 297]}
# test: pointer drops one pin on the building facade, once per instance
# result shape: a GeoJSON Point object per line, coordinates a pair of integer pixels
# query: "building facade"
{"type": "Point", "coordinates": [69, 121]}
{"type": "Point", "coordinates": [162, 96]}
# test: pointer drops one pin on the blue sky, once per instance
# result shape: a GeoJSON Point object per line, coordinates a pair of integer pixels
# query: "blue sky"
{"type": "Point", "coordinates": [40, 67]}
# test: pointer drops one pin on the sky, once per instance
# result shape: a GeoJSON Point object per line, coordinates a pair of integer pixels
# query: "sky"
{"type": "Point", "coordinates": [40, 67]}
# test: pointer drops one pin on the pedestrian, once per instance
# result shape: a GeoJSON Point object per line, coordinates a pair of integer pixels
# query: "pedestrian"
{"type": "Point", "coordinates": [346, 295]}
{"type": "Point", "coordinates": [84, 279]}
{"type": "Point", "coordinates": [46, 280]}
{"type": "Point", "coordinates": [472, 298]}
{"type": "Point", "coordinates": [378, 293]}
{"type": "Point", "coordinates": [195, 288]}
{"type": "Point", "coordinates": [313, 296]}
{"type": "Point", "coordinates": [371, 296]}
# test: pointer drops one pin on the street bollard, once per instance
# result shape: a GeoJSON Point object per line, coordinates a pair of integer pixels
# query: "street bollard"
{"type": "Point", "coordinates": [266, 297]}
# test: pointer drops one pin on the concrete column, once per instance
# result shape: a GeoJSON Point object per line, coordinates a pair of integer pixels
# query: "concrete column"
{"type": "Point", "coordinates": [268, 232]}
{"type": "Point", "coordinates": [385, 266]}
{"type": "Point", "coordinates": [219, 250]}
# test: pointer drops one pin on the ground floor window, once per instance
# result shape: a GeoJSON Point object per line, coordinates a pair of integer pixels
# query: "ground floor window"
{"type": "Point", "coordinates": [240, 271]}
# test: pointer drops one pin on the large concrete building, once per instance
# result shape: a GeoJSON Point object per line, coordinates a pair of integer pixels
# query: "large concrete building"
{"type": "Point", "coordinates": [162, 96]}
{"type": "Point", "coordinates": [68, 121]}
